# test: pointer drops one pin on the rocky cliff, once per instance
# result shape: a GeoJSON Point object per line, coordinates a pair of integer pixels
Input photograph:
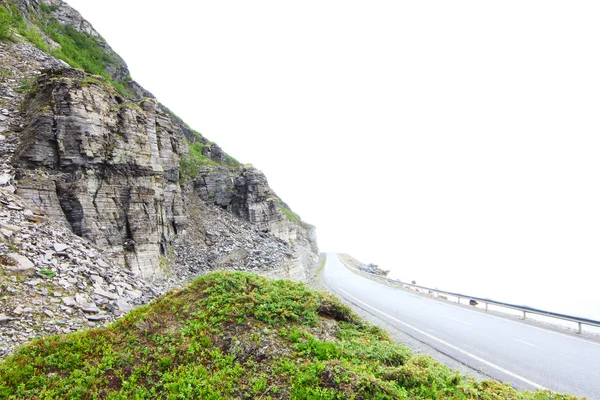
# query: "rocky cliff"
{"type": "Point", "coordinates": [88, 151]}
{"type": "Point", "coordinates": [114, 171]}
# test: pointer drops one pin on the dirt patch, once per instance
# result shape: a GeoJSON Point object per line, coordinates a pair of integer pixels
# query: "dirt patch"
{"type": "Point", "coordinates": [7, 261]}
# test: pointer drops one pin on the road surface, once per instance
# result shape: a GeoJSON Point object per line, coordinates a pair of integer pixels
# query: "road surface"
{"type": "Point", "coordinates": [527, 356]}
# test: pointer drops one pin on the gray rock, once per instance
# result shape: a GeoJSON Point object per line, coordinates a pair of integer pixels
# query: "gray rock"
{"type": "Point", "coordinates": [34, 282]}
{"type": "Point", "coordinates": [124, 305]}
{"type": "Point", "coordinates": [69, 301]}
{"type": "Point", "coordinates": [89, 308]}
{"type": "Point", "coordinates": [4, 179]}
{"type": "Point", "coordinates": [80, 299]}
{"type": "Point", "coordinates": [101, 292]}
{"type": "Point", "coordinates": [59, 247]}
{"type": "Point", "coordinates": [4, 318]}
{"type": "Point", "coordinates": [134, 294]}
{"type": "Point", "coordinates": [5, 233]}
{"type": "Point", "coordinates": [139, 184]}
{"type": "Point", "coordinates": [98, 317]}
{"type": "Point", "coordinates": [97, 280]}
{"type": "Point", "coordinates": [11, 228]}
{"type": "Point", "coordinates": [20, 263]}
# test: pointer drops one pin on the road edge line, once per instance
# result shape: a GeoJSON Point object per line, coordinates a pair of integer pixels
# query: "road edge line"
{"type": "Point", "coordinates": [488, 363]}
{"type": "Point", "coordinates": [506, 317]}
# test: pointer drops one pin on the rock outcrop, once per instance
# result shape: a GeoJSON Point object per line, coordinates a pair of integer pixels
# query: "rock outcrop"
{"type": "Point", "coordinates": [107, 168]}
{"type": "Point", "coordinates": [110, 169]}
{"type": "Point", "coordinates": [53, 281]}
{"type": "Point", "coordinates": [108, 199]}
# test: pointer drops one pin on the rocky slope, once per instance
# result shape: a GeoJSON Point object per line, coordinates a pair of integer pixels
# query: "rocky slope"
{"type": "Point", "coordinates": [97, 164]}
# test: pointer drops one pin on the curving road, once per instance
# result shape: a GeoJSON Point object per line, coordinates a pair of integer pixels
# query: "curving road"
{"type": "Point", "coordinates": [527, 356]}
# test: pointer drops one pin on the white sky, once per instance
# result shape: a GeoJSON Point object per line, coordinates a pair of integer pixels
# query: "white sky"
{"type": "Point", "coordinates": [455, 142]}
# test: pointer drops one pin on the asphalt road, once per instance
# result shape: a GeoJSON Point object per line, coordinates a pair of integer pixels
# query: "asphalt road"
{"type": "Point", "coordinates": [526, 356]}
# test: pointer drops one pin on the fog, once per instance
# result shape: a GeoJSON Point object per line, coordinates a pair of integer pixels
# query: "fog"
{"type": "Point", "coordinates": [455, 143]}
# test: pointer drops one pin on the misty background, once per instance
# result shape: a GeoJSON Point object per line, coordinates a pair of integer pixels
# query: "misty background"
{"type": "Point", "coordinates": [454, 143]}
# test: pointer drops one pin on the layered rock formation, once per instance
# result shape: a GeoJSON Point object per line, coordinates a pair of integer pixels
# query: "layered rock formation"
{"type": "Point", "coordinates": [141, 201]}
{"type": "Point", "coordinates": [110, 169]}
{"type": "Point", "coordinates": [107, 168]}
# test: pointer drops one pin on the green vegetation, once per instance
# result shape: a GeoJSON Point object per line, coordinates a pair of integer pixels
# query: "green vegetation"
{"type": "Point", "coordinates": [292, 216]}
{"type": "Point", "coordinates": [5, 73]}
{"type": "Point", "coordinates": [196, 150]}
{"type": "Point", "coordinates": [77, 49]}
{"type": "Point", "coordinates": [5, 23]}
{"type": "Point", "coordinates": [47, 273]}
{"type": "Point", "coordinates": [189, 166]}
{"type": "Point", "coordinates": [237, 335]}
{"type": "Point", "coordinates": [13, 21]}
{"type": "Point", "coordinates": [232, 162]}
{"type": "Point", "coordinates": [26, 85]}
{"type": "Point", "coordinates": [47, 9]}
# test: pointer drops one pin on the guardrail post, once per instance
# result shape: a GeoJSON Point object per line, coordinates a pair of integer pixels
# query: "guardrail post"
{"type": "Point", "coordinates": [486, 306]}
{"type": "Point", "coordinates": [459, 300]}
{"type": "Point", "coordinates": [524, 315]}
{"type": "Point", "coordinates": [579, 330]}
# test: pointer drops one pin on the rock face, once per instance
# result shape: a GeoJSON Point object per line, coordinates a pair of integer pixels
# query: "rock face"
{"type": "Point", "coordinates": [52, 281]}
{"type": "Point", "coordinates": [110, 169]}
{"type": "Point", "coordinates": [108, 201]}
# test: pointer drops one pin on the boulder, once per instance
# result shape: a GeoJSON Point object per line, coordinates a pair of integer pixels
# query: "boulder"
{"type": "Point", "coordinates": [17, 263]}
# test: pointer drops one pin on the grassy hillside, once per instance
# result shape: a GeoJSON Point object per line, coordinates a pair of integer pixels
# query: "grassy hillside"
{"type": "Point", "coordinates": [237, 335]}
{"type": "Point", "coordinates": [77, 49]}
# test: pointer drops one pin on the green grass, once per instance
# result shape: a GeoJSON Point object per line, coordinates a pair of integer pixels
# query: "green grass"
{"type": "Point", "coordinates": [237, 335]}
{"type": "Point", "coordinates": [232, 162]}
{"type": "Point", "coordinates": [47, 272]}
{"type": "Point", "coordinates": [82, 51]}
{"type": "Point", "coordinates": [6, 22]}
{"type": "Point", "coordinates": [290, 215]}
{"type": "Point", "coordinates": [77, 49]}
{"type": "Point", "coordinates": [190, 165]}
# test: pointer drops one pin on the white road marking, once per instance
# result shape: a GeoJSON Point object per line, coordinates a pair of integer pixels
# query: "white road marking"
{"type": "Point", "coordinates": [524, 342]}
{"type": "Point", "coordinates": [457, 320]}
{"type": "Point", "coordinates": [499, 368]}
{"type": "Point", "coordinates": [500, 318]}
{"type": "Point", "coordinates": [525, 325]}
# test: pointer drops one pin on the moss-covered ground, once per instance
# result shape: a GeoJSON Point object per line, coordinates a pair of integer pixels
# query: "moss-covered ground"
{"type": "Point", "coordinates": [237, 335]}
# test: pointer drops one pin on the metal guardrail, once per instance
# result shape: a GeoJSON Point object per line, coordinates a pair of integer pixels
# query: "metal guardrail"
{"type": "Point", "coordinates": [525, 309]}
